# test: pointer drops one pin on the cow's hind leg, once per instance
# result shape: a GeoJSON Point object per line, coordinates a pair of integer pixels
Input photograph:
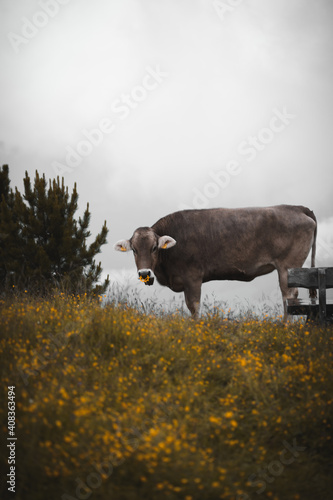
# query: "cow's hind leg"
{"type": "Point", "coordinates": [192, 294]}
{"type": "Point", "coordinates": [287, 293]}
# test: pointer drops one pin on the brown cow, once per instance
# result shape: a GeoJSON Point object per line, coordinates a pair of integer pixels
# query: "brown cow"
{"type": "Point", "coordinates": [223, 244]}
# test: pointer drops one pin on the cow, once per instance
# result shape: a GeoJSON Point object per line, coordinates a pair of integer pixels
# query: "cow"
{"type": "Point", "coordinates": [190, 247]}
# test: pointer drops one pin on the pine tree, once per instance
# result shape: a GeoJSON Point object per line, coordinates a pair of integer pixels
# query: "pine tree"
{"type": "Point", "coordinates": [10, 241]}
{"type": "Point", "coordinates": [42, 245]}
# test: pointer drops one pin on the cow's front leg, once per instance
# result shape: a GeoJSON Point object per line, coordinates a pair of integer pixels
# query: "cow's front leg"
{"type": "Point", "coordinates": [192, 294]}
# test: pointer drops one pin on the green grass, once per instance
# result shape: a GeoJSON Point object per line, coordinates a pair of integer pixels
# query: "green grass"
{"type": "Point", "coordinates": [115, 404]}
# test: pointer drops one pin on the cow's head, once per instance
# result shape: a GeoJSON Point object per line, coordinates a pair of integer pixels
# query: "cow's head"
{"type": "Point", "coordinates": [146, 245]}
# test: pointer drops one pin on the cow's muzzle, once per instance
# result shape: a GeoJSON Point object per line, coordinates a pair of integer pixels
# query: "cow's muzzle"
{"type": "Point", "coordinates": [146, 276]}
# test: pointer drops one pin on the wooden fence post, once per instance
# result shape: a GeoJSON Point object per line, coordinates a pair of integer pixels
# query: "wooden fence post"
{"type": "Point", "coordinates": [322, 294]}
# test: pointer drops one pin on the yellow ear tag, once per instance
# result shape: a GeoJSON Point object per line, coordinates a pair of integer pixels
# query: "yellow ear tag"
{"type": "Point", "coordinates": [165, 246]}
{"type": "Point", "coordinates": [123, 249]}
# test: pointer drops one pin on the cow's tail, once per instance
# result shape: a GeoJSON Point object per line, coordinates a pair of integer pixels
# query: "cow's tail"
{"type": "Point", "coordinates": [309, 213]}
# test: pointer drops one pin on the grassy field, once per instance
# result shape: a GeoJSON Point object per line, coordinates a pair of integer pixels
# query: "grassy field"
{"type": "Point", "coordinates": [115, 404]}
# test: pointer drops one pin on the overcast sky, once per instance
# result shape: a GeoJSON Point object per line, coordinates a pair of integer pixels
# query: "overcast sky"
{"type": "Point", "coordinates": [198, 104]}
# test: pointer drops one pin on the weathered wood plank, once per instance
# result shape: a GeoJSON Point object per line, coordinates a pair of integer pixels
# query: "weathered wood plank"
{"type": "Point", "coordinates": [303, 277]}
{"type": "Point", "coordinates": [308, 308]}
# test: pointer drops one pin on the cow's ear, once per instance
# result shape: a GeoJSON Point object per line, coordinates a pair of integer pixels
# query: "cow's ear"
{"type": "Point", "coordinates": [166, 242]}
{"type": "Point", "coordinates": [122, 246]}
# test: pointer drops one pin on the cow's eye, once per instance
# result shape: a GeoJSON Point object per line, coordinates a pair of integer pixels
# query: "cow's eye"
{"type": "Point", "coordinates": [134, 251]}
{"type": "Point", "coordinates": [154, 248]}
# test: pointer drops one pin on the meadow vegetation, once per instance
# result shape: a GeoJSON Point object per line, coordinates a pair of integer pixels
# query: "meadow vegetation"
{"type": "Point", "coordinates": [113, 403]}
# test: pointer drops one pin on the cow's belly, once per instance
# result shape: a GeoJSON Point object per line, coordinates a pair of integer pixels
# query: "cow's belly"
{"type": "Point", "coordinates": [247, 273]}
{"type": "Point", "coordinates": [239, 272]}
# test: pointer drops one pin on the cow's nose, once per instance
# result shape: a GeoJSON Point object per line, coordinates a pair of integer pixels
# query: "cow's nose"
{"type": "Point", "coordinates": [147, 276]}
{"type": "Point", "coordinates": [144, 274]}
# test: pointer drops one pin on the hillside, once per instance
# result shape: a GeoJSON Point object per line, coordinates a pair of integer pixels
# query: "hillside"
{"type": "Point", "coordinates": [112, 403]}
